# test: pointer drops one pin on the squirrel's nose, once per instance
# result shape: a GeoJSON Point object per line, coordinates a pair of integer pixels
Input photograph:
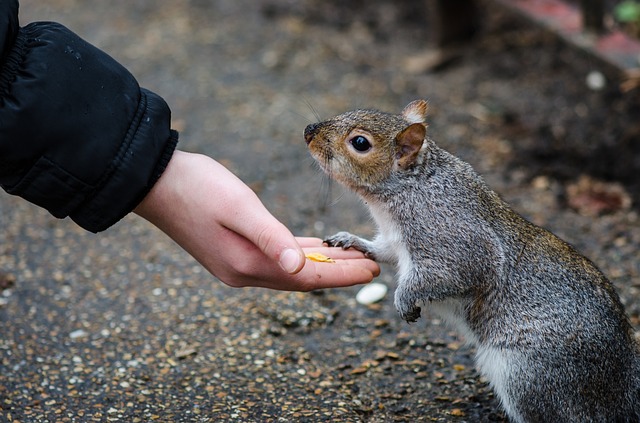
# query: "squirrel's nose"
{"type": "Point", "coordinates": [310, 131]}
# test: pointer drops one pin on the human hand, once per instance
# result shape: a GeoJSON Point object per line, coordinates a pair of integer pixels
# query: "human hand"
{"type": "Point", "coordinates": [221, 222]}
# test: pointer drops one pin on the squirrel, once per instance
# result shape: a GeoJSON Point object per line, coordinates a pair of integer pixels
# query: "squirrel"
{"type": "Point", "coordinates": [550, 333]}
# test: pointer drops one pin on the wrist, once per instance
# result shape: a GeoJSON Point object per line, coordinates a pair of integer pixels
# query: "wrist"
{"type": "Point", "coordinates": [162, 198]}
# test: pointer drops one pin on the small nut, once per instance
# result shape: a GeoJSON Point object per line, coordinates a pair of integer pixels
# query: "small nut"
{"type": "Point", "coordinates": [319, 258]}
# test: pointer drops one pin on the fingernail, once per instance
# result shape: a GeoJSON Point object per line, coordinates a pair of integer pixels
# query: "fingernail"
{"type": "Point", "coordinates": [289, 260]}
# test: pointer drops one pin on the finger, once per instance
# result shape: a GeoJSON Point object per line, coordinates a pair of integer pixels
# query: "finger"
{"type": "Point", "coordinates": [370, 265]}
{"type": "Point", "coordinates": [316, 245]}
{"type": "Point", "coordinates": [332, 275]}
{"type": "Point", "coordinates": [335, 252]}
{"type": "Point", "coordinates": [248, 217]}
{"type": "Point", "coordinates": [306, 241]}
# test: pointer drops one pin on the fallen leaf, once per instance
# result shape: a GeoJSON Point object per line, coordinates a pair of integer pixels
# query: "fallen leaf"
{"type": "Point", "coordinates": [591, 197]}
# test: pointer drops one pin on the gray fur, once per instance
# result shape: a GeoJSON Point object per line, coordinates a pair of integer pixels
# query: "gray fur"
{"type": "Point", "coordinates": [551, 334]}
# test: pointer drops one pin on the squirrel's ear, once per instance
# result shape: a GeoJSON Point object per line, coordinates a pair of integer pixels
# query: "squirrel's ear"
{"type": "Point", "coordinates": [408, 144]}
{"type": "Point", "coordinates": [416, 111]}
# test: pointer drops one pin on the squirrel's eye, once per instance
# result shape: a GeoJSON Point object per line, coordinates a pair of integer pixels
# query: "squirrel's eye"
{"type": "Point", "coordinates": [360, 143]}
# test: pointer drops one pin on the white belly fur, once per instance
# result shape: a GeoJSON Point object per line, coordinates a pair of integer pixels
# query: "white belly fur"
{"type": "Point", "coordinates": [492, 363]}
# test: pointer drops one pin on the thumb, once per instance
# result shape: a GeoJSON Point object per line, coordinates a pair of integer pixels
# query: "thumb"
{"type": "Point", "coordinates": [250, 219]}
{"type": "Point", "coordinates": [276, 242]}
{"type": "Point", "coordinates": [291, 260]}
{"type": "Point", "coordinates": [269, 235]}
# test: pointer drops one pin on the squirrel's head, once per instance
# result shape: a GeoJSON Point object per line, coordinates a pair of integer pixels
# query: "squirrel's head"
{"type": "Point", "coordinates": [361, 148]}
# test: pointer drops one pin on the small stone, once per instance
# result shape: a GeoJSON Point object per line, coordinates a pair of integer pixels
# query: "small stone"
{"type": "Point", "coordinates": [186, 352]}
{"type": "Point", "coordinates": [596, 80]}
{"type": "Point", "coordinates": [393, 355]}
{"type": "Point", "coordinates": [80, 333]}
{"type": "Point", "coordinates": [6, 280]}
{"type": "Point", "coordinates": [359, 370]}
{"type": "Point", "coordinates": [371, 293]}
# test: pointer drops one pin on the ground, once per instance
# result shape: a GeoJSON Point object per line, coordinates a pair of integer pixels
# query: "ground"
{"type": "Point", "coordinates": [124, 326]}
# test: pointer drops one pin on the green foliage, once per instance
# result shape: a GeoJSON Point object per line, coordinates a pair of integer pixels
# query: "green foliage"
{"type": "Point", "coordinates": [627, 11]}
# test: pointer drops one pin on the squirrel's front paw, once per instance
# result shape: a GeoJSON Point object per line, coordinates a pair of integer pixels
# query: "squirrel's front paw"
{"type": "Point", "coordinates": [406, 305]}
{"type": "Point", "coordinates": [347, 240]}
{"type": "Point", "coordinates": [341, 239]}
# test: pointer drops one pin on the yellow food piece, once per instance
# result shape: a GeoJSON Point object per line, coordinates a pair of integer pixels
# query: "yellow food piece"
{"type": "Point", "coordinates": [319, 258]}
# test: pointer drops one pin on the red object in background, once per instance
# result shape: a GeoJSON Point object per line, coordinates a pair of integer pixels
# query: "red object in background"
{"type": "Point", "coordinates": [614, 47]}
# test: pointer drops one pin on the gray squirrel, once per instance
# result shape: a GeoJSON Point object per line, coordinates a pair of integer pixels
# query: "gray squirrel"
{"type": "Point", "coordinates": [551, 335]}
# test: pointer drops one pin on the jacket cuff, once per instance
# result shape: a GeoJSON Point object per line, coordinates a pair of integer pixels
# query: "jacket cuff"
{"type": "Point", "coordinates": [143, 156]}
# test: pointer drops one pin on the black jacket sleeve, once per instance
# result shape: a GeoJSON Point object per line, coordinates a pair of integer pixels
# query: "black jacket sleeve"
{"type": "Point", "coordinates": [78, 136]}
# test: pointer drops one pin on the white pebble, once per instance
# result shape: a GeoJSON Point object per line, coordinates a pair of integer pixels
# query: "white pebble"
{"type": "Point", "coordinates": [596, 80]}
{"type": "Point", "coordinates": [78, 334]}
{"type": "Point", "coordinates": [371, 293]}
